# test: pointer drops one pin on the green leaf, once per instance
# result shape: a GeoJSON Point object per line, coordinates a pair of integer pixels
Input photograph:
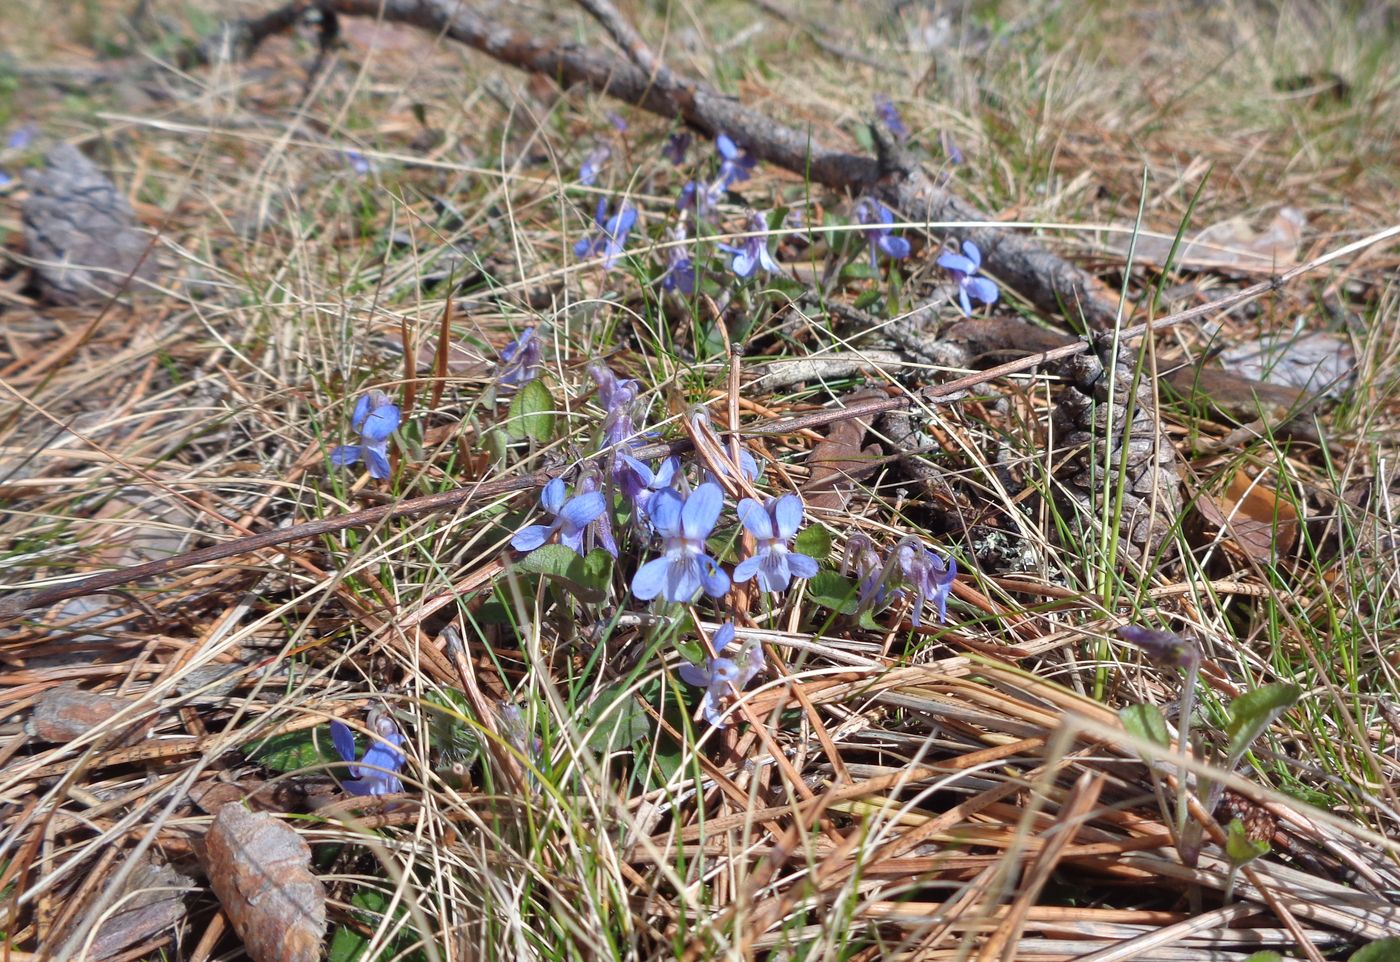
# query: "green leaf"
{"type": "Point", "coordinates": [1385, 950]}
{"type": "Point", "coordinates": [1146, 722]}
{"type": "Point", "coordinates": [532, 413]}
{"type": "Point", "coordinates": [294, 751]}
{"type": "Point", "coordinates": [1265, 956]}
{"type": "Point", "coordinates": [1239, 847]}
{"type": "Point", "coordinates": [586, 578]}
{"type": "Point", "coordinates": [616, 720]}
{"type": "Point", "coordinates": [596, 570]}
{"type": "Point", "coordinates": [864, 137]}
{"type": "Point", "coordinates": [830, 590]}
{"type": "Point", "coordinates": [814, 541]}
{"type": "Point", "coordinates": [1253, 712]}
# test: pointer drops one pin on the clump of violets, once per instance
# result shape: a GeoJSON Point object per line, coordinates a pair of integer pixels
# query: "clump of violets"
{"type": "Point", "coordinates": [685, 566]}
{"type": "Point", "coordinates": [753, 252]}
{"type": "Point", "coordinates": [377, 772]}
{"type": "Point", "coordinates": [889, 116]}
{"type": "Point", "coordinates": [773, 525]}
{"type": "Point", "coordinates": [720, 675]}
{"type": "Point", "coordinates": [964, 268]}
{"type": "Point", "coordinates": [520, 360]}
{"type": "Point", "coordinates": [611, 234]}
{"type": "Point", "coordinates": [376, 417]}
{"type": "Point", "coordinates": [878, 234]}
{"type": "Point", "coordinates": [929, 577]}
{"type": "Point", "coordinates": [571, 518]}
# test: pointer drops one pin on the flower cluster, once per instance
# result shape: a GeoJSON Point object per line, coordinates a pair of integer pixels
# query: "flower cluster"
{"type": "Point", "coordinates": [611, 235]}
{"type": "Point", "coordinates": [912, 570]}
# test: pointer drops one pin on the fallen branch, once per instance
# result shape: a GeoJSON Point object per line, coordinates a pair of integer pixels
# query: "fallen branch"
{"type": "Point", "coordinates": [1046, 279]}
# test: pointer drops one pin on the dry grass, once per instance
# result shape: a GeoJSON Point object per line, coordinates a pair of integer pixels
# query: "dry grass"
{"type": "Point", "coordinates": [966, 792]}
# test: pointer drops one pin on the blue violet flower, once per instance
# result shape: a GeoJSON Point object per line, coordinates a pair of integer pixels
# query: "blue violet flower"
{"type": "Point", "coordinates": [720, 675]}
{"type": "Point", "coordinates": [571, 517]}
{"type": "Point", "coordinates": [612, 233]}
{"type": "Point", "coordinates": [877, 233]}
{"type": "Point", "coordinates": [964, 268]}
{"type": "Point", "coordinates": [753, 252]}
{"type": "Point", "coordinates": [680, 270]}
{"type": "Point", "coordinates": [773, 525]}
{"type": "Point", "coordinates": [375, 418]}
{"type": "Point", "coordinates": [927, 574]}
{"type": "Point", "coordinates": [685, 565]}
{"type": "Point", "coordinates": [520, 360]}
{"type": "Point", "coordinates": [735, 165]}
{"type": "Point", "coordinates": [377, 772]}
{"type": "Point", "coordinates": [890, 118]}
{"type": "Point", "coordinates": [592, 165]}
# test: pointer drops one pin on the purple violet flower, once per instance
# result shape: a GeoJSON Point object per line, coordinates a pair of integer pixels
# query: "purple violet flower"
{"type": "Point", "coordinates": [619, 399]}
{"type": "Point", "coordinates": [599, 531]}
{"type": "Point", "coordinates": [955, 156]}
{"type": "Point", "coordinates": [680, 272]}
{"type": "Point", "coordinates": [753, 252]}
{"type": "Point", "coordinates": [677, 145]}
{"type": "Point", "coordinates": [927, 574]}
{"type": "Point", "coordinates": [735, 165]}
{"type": "Point", "coordinates": [702, 198]}
{"type": "Point", "coordinates": [616, 120]}
{"type": "Point", "coordinates": [720, 675]}
{"type": "Point", "coordinates": [773, 525]}
{"type": "Point", "coordinates": [1165, 648]}
{"type": "Point", "coordinates": [375, 418]}
{"type": "Point", "coordinates": [593, 164]}
{"type": "Point", "coordinates": [520, 360]}
{"type": "Point", "coordinates": [358, 162]}
{"type": "Point", "coordinates": [571, 518]}
{"type": "Point", "coordinates": [964, 269]}
{"type": "Point", "coordinates": [612, 233]}
{"type": "Point", "coordinates": [377, 772]}
{"type": "Point", "coordinates": [643, 483]}
{"type": "Point", "coordinates": [21, 137]}
{"type": "Point", "coordinates": [871, 572]}
{"type": "Point", "coordinates": [890, 117]}
{"type": "Point", "coordinates": [878, 234]}
{"type": "Point", "coordinates": [685, 566]}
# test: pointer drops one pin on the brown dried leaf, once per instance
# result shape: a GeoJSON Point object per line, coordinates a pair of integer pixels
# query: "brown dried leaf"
{"type": "Point", "coordinates": [1258, 521]}
{"type": "Point", "coordinates": [260, 869]}
{"type": "Point", "coordinates": [1312, 362]}
{"type": "Point", "coordinates": [153, 901]}
{"type": "Point", "coordinates": [1231, 245]}
{"type": "Point", "coordinates": [64, 713]}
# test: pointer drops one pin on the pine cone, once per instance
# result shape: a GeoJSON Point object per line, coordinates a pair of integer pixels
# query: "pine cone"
{"type": "Point", "coordinates": [1090, 430]}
